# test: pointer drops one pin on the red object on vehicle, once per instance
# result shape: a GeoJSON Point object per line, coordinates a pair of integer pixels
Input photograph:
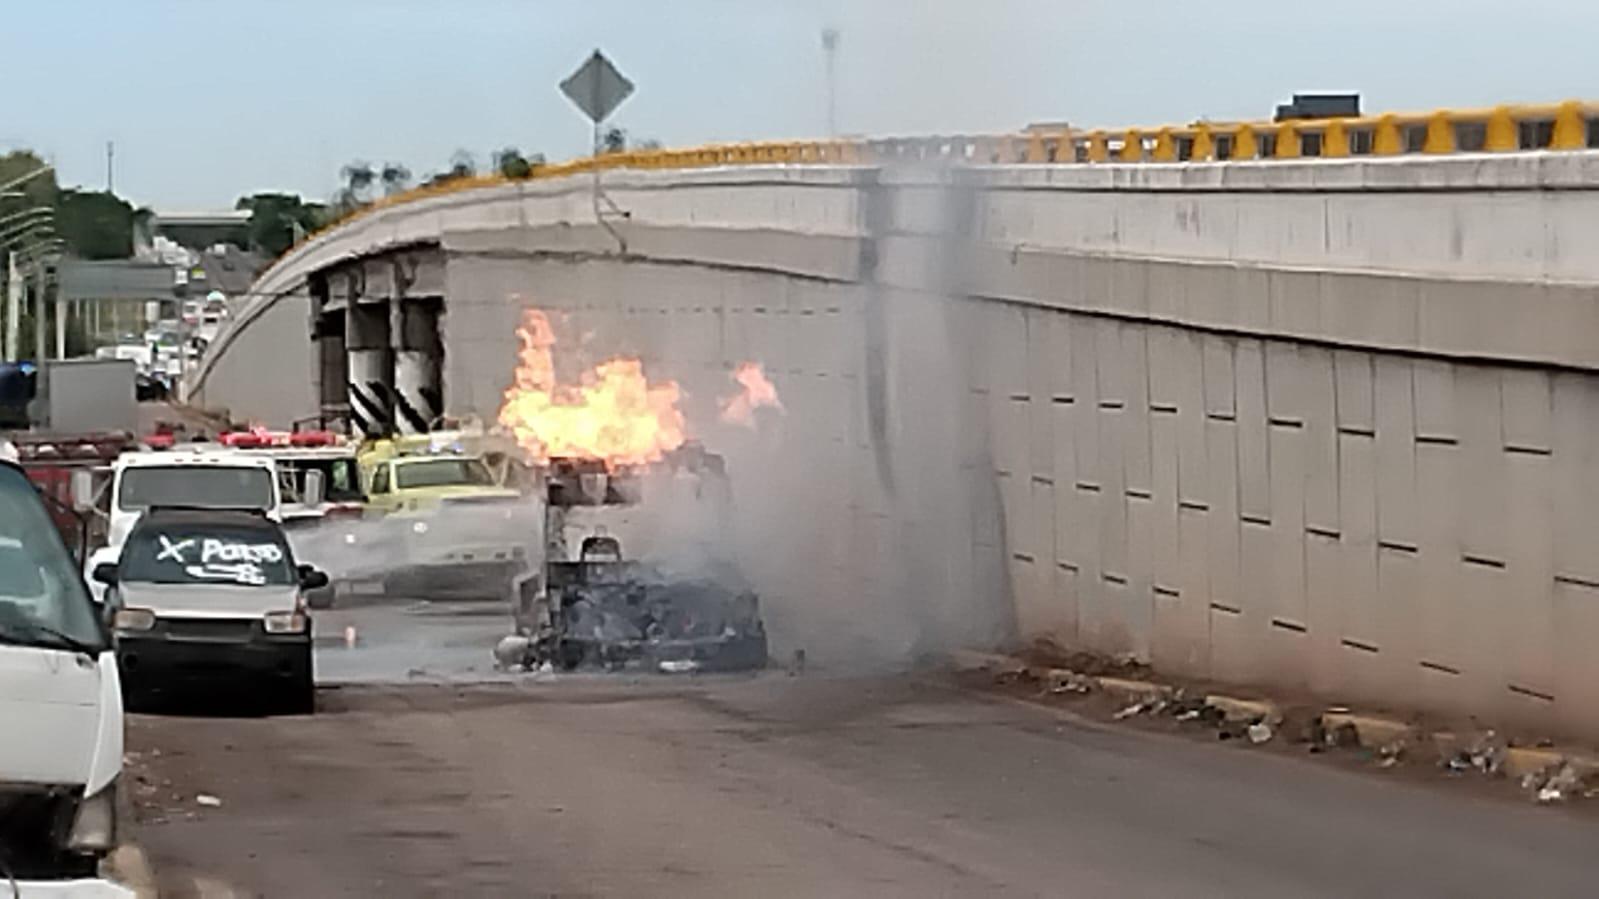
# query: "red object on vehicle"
{"type": "Point", "coordinates": [49, 461]}
{"type": "Point", "coordinates": [254, 438]}
{"type": "Point", "coordinates": [313, 438]}
{"type": "Point", "coordinates": [160, 441]}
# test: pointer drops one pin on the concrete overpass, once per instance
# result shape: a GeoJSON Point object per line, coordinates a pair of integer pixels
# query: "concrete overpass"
{"type": "Point", "coordinates": [1309, 404]}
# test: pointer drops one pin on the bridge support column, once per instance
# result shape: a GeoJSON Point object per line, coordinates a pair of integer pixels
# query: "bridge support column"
{"type": "Point", "coordinates": [330, 377]}
{"type": "Point", "coordinates": [371, 369]}
{"type": "Point", "coordinates": [418, 364]}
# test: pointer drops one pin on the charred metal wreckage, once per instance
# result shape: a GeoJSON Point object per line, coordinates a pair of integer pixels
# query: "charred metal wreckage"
{"type": "Point", "coordinates": [593, 606]}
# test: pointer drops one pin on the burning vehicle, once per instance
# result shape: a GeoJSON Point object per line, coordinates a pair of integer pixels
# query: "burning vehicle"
{"type": "Point", "coordinates": [595, 606]}
{"type": "Point", "coordinates": [636, 568]}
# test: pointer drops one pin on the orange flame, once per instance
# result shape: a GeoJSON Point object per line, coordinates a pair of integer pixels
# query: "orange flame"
{"type": "Point", "coordinates": [755, 392]}
{"type": "Point", "coordinates": [615, 414]}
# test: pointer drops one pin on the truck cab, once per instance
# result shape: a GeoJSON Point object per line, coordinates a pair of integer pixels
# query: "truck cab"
{"type": "Point", "coordinates": [60, 704]}
{"type": "Point", "coordinates": [297, 455]}
{"type": "Point", "coordinates": [460, 532]}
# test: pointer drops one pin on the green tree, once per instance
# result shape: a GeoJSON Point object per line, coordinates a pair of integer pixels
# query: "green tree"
{"type": "Point", "coordinates": [395, 178]}
{"type": "Point", "coordinates": [358, 177]}
{"type": "Point", "coordinates": [95, 224]}
{"type": "Point", "coordinates": [510, 163]}
{"type": "Point", "coordinates": [277, 218]}
{"type": "Point", "coordinates": [39, 190]}
{"type": "Point", "coordinates": [462, 165]}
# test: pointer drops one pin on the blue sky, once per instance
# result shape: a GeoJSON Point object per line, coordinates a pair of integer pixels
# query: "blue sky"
{"type": "Point", "coordinates": [210, 99]}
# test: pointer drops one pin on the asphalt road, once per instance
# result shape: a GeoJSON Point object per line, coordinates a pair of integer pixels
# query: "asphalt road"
{"type": "Point", "coordinates": [421, 784]}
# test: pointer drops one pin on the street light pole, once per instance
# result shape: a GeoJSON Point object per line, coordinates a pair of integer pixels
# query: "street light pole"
{"type": "Point", "coordinates": [38, 255]}
{"type": "Point", "coordinates": [830, 38]}
{"type": "Point", "coordinates": [39, 354]}
{"type": "Point", "coordinates": [13, 305]}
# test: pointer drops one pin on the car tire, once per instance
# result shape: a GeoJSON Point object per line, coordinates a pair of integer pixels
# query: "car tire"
{"type": "Point", "coordinates": [298, 696]}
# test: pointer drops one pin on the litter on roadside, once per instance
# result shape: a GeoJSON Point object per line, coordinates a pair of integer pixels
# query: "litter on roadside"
{"type": "Point", "coordinates": [207, 800]}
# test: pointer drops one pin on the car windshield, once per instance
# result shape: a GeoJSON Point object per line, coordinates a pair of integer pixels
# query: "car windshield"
{"type": "Point", "coordinates": [200, 486]}
{"type": "Point", "coordinates": [443, 473]}
{"type": "Point", "coordinates": [197, 553]}
{"type": "Point", "coordinates": [42, 597]}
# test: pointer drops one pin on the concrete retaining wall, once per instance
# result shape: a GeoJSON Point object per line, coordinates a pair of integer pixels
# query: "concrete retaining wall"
{"type": "Point", "coordinates": [265, 375]}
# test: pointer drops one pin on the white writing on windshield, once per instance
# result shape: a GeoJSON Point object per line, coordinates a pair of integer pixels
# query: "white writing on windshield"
{"type": "Point", "coordinates": [212, 559]}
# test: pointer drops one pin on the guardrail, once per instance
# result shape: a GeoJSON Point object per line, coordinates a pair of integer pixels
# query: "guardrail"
{"type": "Point", "coordinates": [1572, 125]}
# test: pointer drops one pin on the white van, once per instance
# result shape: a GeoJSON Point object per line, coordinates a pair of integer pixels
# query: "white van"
{"type": "Point", "coordinates": [60, 706]}
{"type": "Point", "coordinates": [191, 477]}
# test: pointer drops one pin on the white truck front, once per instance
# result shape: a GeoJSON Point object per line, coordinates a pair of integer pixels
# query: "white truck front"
{"type": "Point", "coordinates": [200, 479]}
{"type": "Point", "coordinates": [60, 708]}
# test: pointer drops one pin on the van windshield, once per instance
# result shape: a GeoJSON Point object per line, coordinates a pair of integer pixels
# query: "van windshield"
{"type": "Point", "coordinates": [195, 486]}
{"type": "Point", "coordinates": [159, 552]}
{"type": "Point", "coordinates": [42, 598]}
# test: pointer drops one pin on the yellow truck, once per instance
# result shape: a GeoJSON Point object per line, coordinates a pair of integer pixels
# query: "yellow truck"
{"type": "Point", "coordinates": [451, 523]}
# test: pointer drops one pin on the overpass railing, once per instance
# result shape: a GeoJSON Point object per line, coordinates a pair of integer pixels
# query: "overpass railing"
{"type": "Point", "coordinates": [1572, 125]}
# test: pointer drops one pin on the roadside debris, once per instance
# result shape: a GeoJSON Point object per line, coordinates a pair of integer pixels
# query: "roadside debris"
{"type": "Point", "coordinates": [1344, 736]}
{"type": "Point", "coordinates": [207, 800]}
{"type": "Point", "coordinates": [1485, 755]}
{"type": "Point", "coordinates": [1558, 783]}
{"type": "Point", "coordinates": [1382, 742]}
{"type": "Point", "coordinates": [1129, 711]}
{"type": "Point", "coordinates": [510, 652]}
{"type": "Point", "coordinates": [1062, 681]}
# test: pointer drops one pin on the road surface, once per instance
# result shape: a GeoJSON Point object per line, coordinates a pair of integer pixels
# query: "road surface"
{"type": "Point", "coordinates": [423, 784]}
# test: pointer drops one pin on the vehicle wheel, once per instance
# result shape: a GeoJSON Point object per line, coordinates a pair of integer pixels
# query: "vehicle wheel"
{"type": "Point", "coordinates": [297, 699]}
{"type": "Point", "coordinates": [298, 696]}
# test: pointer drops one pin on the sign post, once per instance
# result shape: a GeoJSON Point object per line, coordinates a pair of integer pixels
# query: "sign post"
{"type": "Point", "coordinates": [597, 88]}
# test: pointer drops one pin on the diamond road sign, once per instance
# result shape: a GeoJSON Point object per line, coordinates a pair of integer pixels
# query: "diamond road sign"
{"type": "Point", "coordinates": [597, 87]}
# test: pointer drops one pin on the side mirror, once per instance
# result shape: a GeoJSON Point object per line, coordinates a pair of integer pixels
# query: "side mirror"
{"type": "Point", "coordinates": [316, 488]}
{"type": "Point", "coordinates": [83, 490]}
{"type": "Point", "coordinates": [311, 578]}
{"type": "Point", "coordinates": [106, 573]}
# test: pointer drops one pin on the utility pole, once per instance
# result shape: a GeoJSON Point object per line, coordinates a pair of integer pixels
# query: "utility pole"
{"type": "Point", "coordinates": [110, 170]}
{"type": "Point", "coordinates": [830, 38]}
{"type": "Point", "coordinates": [61, 320]}
{"type": "Point", "coordinates": [13, 305]}
{"type": "Point", "coordinates": [39, 311]}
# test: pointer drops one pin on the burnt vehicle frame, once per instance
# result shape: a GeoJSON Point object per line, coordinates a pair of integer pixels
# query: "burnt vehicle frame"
{"type": "Point", "coordinates": [597, 608]}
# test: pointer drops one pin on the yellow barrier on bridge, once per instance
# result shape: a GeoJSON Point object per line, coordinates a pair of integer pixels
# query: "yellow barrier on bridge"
{"type": "Point", "coordinates": [1572, 125]}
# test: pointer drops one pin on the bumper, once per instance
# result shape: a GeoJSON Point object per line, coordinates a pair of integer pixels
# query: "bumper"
{"type": "Point", "coordinates": [42, 828]}
{"type": "Point", "coordinates": [164, 663]}
{"type": "Point", "coordinates": [72, 889]}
